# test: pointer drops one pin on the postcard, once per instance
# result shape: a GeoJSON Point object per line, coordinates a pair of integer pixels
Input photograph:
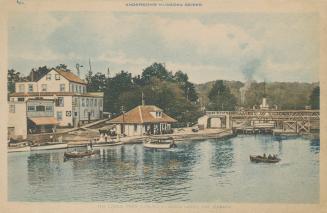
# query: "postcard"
{"type": "Point", "coordinates": [163, 105]}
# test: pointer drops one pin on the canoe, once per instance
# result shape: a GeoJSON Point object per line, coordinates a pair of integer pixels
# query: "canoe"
{"type": "Point", "coordinates": [49, 146]}
{"type": "Point", "coordinates": [260, 159]}
{"type": "Point", "coordinates": [76, 154]}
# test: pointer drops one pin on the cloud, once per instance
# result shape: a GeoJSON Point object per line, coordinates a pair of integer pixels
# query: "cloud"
{"type": "Point", "coordinates": [205, 46]}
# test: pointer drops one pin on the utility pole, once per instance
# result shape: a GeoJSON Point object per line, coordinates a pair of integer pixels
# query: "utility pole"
{"type": "Point", "coordinates": [142, 98]}
{"type": "Point", "coordinates": [123, 126]}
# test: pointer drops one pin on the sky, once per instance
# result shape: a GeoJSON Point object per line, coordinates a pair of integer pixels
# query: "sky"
{"type": "Point", "coordinates": [208, 46]}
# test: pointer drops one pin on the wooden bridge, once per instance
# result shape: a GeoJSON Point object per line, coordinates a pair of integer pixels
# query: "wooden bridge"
{"type": "Point", "coordinates": [297, 121]}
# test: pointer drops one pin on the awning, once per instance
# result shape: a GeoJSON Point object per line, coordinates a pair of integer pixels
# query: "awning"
{"type": "Point", "coordinates": [44, 121]}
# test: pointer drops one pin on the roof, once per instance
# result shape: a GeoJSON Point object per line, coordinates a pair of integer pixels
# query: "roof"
{"type": "Point", "coordinates": [37, 94]}
{"type": "Point", "coordinates": [142, 114]}
{"type": "Point", "coordinates": [70, 76]}
{"type": "Point", "coordinates": [44, 121]}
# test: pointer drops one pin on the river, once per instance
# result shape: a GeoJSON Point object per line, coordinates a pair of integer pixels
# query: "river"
{"type": "Point", "coordinates": [196, 171]}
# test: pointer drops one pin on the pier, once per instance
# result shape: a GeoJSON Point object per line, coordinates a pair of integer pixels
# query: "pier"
{"type": "Point", "coordinates": [255, 121]}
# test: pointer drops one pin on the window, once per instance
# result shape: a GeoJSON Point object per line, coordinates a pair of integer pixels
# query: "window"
{"type": "Point", "coordinates": [30, 88]}
{"type": "Point", "coordinates": [59, 115]}
{"type": "Point", "coordinates": [79, 89]}
{"type": "Point", "coordinates": [75, 88]}
{"type": "Point", "coordinates": [48, 77]}
{"type": "Point", "coordinates": [72, 88]}
{"type": "Point", "coordinates": [12, 108]}
{"type": "Point", "coordinates": [135, 127]}
{"type": "Point", "coordinates": [44, 87]}
{"type": "Point", "coordinates": [158, 114]}
{"type": "Point", "coordinates": [95, 102]}
{"type": "Point", "coordinates": [100, 103]}
{"type": "Point", "coordinates": [75, 114]}
{"type": "Point", "coordinates": [62, 87]}
{"type": "Point", "coordinates": [21, 88]}
{"type": "Point", "coordinates": [60, 102]}
{"type": "Point", "coordinates": [83, 89]}
{"type": "Point", "coordinates": [20, 99]}
{"type": "Point", "coordinates": [48, 108]}
{"type": "Point", "coordinates": [83, 102]}
{"type": "Point", "coordinates": [57, 77]}
{"type": "Point", "coordinates": [40, 108]}
{"type": "Point", "coordinates": [91, 102]}
{"type": "Point", "coordinates": [31, 108]}
{"type": "Point", "coordinates": [87, 102]}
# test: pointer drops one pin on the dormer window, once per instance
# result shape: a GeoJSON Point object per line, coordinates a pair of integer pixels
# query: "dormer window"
{"type": "Point", "coordinates": [48, 77]}
{"type": "Point", "coordinates": [158, 114]}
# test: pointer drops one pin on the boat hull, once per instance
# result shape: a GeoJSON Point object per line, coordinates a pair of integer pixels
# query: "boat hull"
{"type": "Point", "coordinates": [107, 144]}
{"type": "Point", "coordinates": [81, 154]}
{"type": "Point", "coordinates": [48, 147]}
{"type": "Point", "coordinates": [257, 159]}
{"type": "Point", "coordinates": [19, 149]}
{"type": "Point", "coordinates": [157, 146]}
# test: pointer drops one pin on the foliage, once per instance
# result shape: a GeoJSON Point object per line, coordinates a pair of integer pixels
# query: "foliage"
{"type": "Point", "coordinates": [12, 78]}
{"type": "Point", "coordinates": [220, 97]}
{"type": "Point", "coordinates": [284, 95]}
{"type": "Point", "coordinates": [97, 82]}
{"type": "Point", "coordinates": [315, 98]}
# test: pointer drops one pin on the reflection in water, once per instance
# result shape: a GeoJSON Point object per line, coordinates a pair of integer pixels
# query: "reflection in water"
{"type": "Point", "coordinates": [222, 157]}
{"type": "Point", "coordinates": [195, 171]}
{"type": "Point", "coordinates": [315, 145]}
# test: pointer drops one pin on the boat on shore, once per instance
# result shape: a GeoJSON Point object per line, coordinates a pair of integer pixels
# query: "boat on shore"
{"type": "Point", "coordinates": [159, 142]}
{"type": "Point", "coordinates": [81, 154]}
{"type": "Point", "coordinates": [48, 146]}
{"type": "Point", "coordinates": [102, 144]}
{"type": "Point", "coordinates": [263, 159]}
{"type": "Point", "coordinates": [19, 149]}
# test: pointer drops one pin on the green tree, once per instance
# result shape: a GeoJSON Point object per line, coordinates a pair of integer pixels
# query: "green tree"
{"type": "Point", "coordinates": [97, 82]}
{"type": "Point", "coordinates": [315, 98]}
{"type": "Point", "coordinates": [12, 78]}
{"type": "Point", "coordinates": [187, 87]}
{"type": "Point", "coordinates": [157, 70]}
{"type": "Point", "coordinates": [115, 87]}
{"type": "Point", "coordinates": [220, 97]}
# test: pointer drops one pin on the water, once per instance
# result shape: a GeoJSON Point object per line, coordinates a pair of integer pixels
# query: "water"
{"type": "Point", "coordinates": [196, 171]}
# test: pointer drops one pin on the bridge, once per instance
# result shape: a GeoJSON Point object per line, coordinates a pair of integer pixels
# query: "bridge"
{"type": "Point", "coordinates": [297, 121]}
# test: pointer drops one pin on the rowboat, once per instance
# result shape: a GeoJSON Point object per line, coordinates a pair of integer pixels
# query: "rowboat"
{"type": "Point", "coordinates": [261, 159]}
{"type": "Point", "coordinates": [78, 154]}
{"type": "Point", "coordinates": [159, 143]}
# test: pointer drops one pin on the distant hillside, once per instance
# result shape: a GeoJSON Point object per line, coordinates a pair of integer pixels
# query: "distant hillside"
{"type": "Point", "coordinates": [286, 95]}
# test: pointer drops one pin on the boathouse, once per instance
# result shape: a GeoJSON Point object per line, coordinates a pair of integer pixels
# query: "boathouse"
{"type": "Point", "coordinates": [143, 119]}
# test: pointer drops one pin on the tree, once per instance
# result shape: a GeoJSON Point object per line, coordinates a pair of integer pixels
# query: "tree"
{"type": "Point", "coordinates": [157, 70]}
{"type": "Point", "coordinates": [315, 98]}
{"type": "Point", "coordinates": [12, 78]}
{"type": "Point", "coordinates": [97, 82]}
{"type": "Point", "coordinates": [63, 67]}
{"type": "Point", "coordinates": [220, 97]}
{"type": "Point", "coordinates": [115, 87]}
{"type": "Point", "coordinates": [37, 74]}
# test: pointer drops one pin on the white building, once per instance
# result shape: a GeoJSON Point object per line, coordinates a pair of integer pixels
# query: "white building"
{"type": "Point", "coordinates": [73, 104]}
{"type": "Point", "coordinates": [143, 119]}
{"type": "Point", "coordinates": [17, 120]}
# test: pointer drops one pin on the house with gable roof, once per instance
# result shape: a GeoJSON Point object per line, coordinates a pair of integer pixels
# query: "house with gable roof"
{"type": "Point", "coordinates": [73, 105]}
{"type": "Point", "coordinates": [143, 119]}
